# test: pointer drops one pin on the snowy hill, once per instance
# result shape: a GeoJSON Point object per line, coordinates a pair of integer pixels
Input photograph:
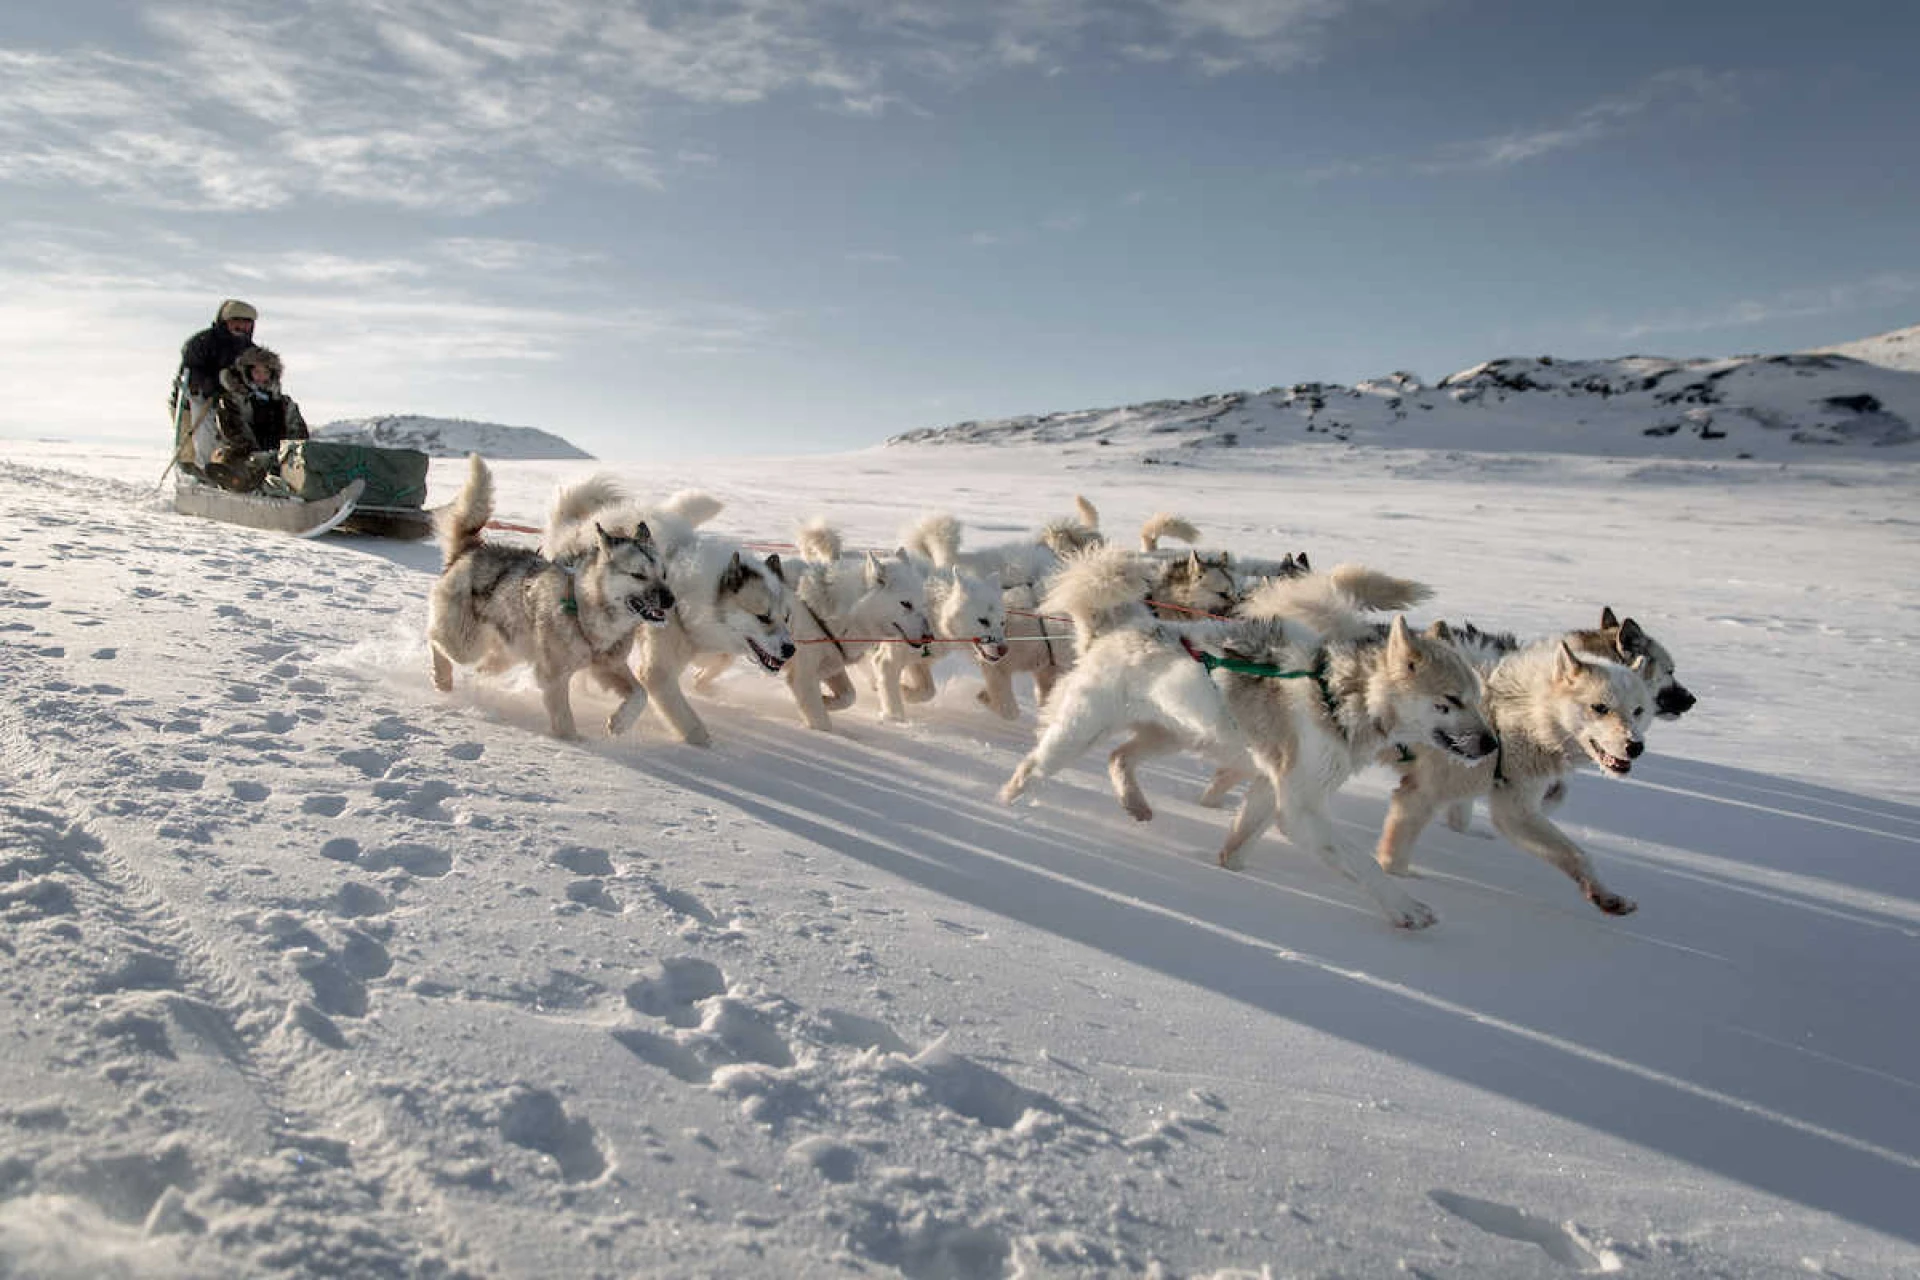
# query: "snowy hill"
{"type": "Point", "coordinates": [451, 437]}
{"type": "Point", "coordinates": [1899, 349]}
{"type": "Point", "coordinates": [1763, 407]}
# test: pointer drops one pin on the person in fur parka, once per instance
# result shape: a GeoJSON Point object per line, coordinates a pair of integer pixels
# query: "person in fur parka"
{"type": "Point", "coordinates": [252, 417]}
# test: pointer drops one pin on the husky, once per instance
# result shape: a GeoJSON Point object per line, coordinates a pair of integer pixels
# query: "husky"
{"type": "Point", "coordinates": [1615, 642]}
{"type": "Point", "coordinates": [1196, 585]}
{"type": "Point", "coordinates": [844, 608]}
{"type": "Point", "coordinates": [496, 606]}
{"type": "Point", "coordinates": [1553, 709]}
{"type": "Point", "coordinates": [1333, 605]}
{"type": "Point", "coordinates": [1264, 697]}
{"type": "Point", "coordinates": [1037, 645]}
{"type": "Point", "coordinates": [1134, 670]}
{"type": "Point", "coordinates": [962, 606]}
{"type": "Point", "coordinates": [726, 601]}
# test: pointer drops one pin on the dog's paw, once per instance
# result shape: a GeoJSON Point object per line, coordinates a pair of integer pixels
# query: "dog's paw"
{"type": "Point", "coordinates": [1138, 810]}
{"type": "Point", "coordinates": [1413, 915]}
{"type": "Point", "coordinates": [1232, 861]}
{"type": "Point", "coordinates": [1612, 903]}
{"type": "Point", "coordinates": [697, 738]}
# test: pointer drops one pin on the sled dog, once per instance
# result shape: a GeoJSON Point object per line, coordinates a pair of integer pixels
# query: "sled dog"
{"type": "Point", "coordinates": [963, 607]}
{"type": "Point", "coordinates": [845, 608]}
{"type": "Point", "coordinates": [726, 601]}
{"type": "Point", "coordinates": [497, 605]}
{"type": "Point", "coordinates": [1553, 712]}
{"type": "Point", "coordinates": [1265, 697]}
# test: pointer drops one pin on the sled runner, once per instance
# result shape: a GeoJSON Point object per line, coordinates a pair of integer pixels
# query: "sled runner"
{"type": "Point", "coordinates": [298, 516]}
{"type": "Point", "coordinates": [329, 485]}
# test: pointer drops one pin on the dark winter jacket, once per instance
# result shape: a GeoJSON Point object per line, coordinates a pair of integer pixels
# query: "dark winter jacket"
{"type": "Point", "coordinates": [254, 416]}
{"type": "Point", "coordinates": [207, 353]}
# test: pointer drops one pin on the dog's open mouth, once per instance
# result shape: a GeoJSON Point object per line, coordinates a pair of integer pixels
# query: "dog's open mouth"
{"type": "Point", "coordinates": [768, 662]}
{"type": "Point", "coordinates": [990, 653]}
{"type": "Point", "coordinates": [923, 644]}
{"type": "Point", "coordinates": [650, 608]}
{"type": "Point", "coordinates": [1619, 766]}
{"type": "Point", "coordinates": [1468, 746]}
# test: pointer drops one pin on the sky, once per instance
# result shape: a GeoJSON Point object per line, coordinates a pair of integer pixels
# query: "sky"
{"type": "Point", "coordinates": [670, 230]}
{"type": "Point", "coordinates": [312, 970]}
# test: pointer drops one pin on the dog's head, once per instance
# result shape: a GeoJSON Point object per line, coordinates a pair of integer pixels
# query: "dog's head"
{"type": "Point", "coordinates": [1431, 694]}
{"type": "Point", "coordinates": [751, 601]}
{"type": "Point", "coordinates": [1629, 640]}
{"type": "Point", "coordinates": [1603, 706]}
{"type": "Point", "coordinates": [1199, 584]}
{"type": "Point", "coordinates": [634, 573]}
{"type": "Point", "coordinates": [967, 606]}
{"type": "Point", "coordinates": [893, 602]}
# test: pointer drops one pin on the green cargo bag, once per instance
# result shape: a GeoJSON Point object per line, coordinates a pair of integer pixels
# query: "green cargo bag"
{"type": "Point", "coordinates": [322, 468]}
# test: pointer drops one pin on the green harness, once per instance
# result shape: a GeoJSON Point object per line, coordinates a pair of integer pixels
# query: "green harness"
{"type": "Point", "coordinates": [1239, 666]}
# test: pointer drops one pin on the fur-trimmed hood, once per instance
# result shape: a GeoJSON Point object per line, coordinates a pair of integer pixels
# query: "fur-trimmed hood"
{"type": "Point", "coordinates": [236, 377]}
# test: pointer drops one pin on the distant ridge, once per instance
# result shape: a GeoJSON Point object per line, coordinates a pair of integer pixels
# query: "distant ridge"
{"type": "Point", "coordinates": [1898, 349]}
{"type": "Point", "coordinates": [451, 437]}
{"type": "Point", "coordinates": [1771, 408]}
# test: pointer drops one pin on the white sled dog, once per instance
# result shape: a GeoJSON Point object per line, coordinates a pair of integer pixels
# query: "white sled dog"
{"type": "Point", "coordinates": [1585, 696]}
{"type": "Point", "coordinates": [1266, 697]}
{"type": "Point", "coordinates": [1037, 645]}
{"type": "Point", "coordinates": [496, 606]}
{"type": "Point", "coordinates": [725, 600]}
{"type": "Point", "coordinates": [845, 608]}
{"type": "Point", "coordinates": [963, 606]}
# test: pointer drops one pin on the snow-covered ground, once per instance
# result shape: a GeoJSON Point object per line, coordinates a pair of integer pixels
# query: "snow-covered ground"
{"type": "Point", "coordinates": [312, 971]}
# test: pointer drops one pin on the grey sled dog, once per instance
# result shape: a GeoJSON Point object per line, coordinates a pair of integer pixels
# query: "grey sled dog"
{"type": "Point", "coordinates": [497, 605]}
{"type": "Point", "coordinates": [1268, 697]}
{"type": "Point", "coordinates": [1584, 696]}
{"type": "Point", "coordinates": [726, 601]}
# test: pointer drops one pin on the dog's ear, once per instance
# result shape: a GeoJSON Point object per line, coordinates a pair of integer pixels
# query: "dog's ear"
{"type": "Point", "coordinates": [1567, 665]}
{"type": "Point", "coordinates": [734, 576]}
{"type": "Point", "coordinates": [1287, 567]}
{"type": "Point", "coordinates": [1400, 651]}
{"type": "Point", "coordinates": [773, 567]}
{"type": "Point", "coordinates": [642, 534]}
{"type": "Point", "coordinates": [1300, 559]}
{"type": "Point", "coordinates": [604, 538]}
{"type": "Point", "coordinates": [1631, 639]}
{"type": "Point", "coordinates": [1194, 567]}
{"type": "Point", "coordinates": [876, 573]}
{"type": "Point", "coordinates": [1440, 630]}
{"type": "Point", "coordinates": [900, 554]}
{"type": "Point", "coordinates": [1607, 621]}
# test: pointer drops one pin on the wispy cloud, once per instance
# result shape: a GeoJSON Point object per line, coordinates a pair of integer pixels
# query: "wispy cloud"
{"type": "Point", "coordinates": [1679, 91]}
{"type": "Point", "coordinates": [454, 105]}
{"type": "Point", "coordinates": [1675, 94]}
{"type": "Point", "coordinates": [1888, 289]}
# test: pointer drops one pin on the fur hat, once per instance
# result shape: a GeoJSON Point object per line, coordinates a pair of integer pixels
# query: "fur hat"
{"type": "Point", "coordinates": [234, 309]}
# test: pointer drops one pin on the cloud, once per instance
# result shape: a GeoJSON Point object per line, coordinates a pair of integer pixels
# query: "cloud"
{"type": "Point", "coordinates": [1888, 289]}
{"type": "Point", "coordinates": [1680, 92]}
{"type": "Point", "coordinates": [460, 105]}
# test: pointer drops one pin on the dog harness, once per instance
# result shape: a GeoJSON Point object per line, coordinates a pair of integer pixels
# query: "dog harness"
{"type": "Point", "coordinates": [1316, 673]}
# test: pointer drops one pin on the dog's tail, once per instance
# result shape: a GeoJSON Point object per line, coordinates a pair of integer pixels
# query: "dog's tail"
{"type": "Point", "coordinates": [1332, 602]}
{"type": "Point", "coordinates": [1098, 588]}
{"type": "Point", "coordinates": [934, 538]}
{"type": "Point", "coordinates": [692, 506]}
{"type": "Point", "coordinates": [577, 502]}
{"type": "Point", "coordinates": [1165, 524]}
{"type": "Point", "coordinates": [459, 522]}
{"type": "Point", "coordinates": [819, 542]}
